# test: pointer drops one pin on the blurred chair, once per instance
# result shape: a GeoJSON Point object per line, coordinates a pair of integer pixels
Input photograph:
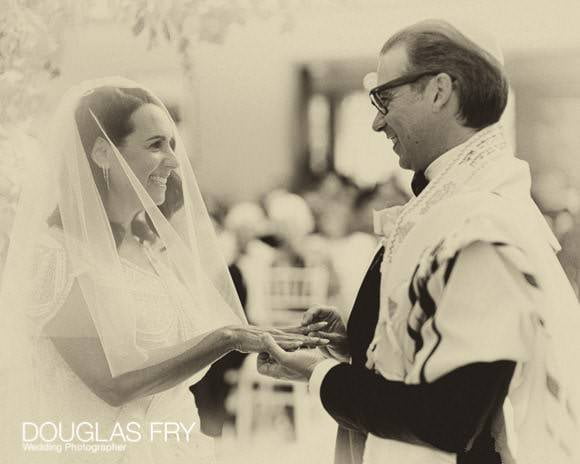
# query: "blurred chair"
{"type": "Point", "coordinates": [288, 292]}
{"type": "Point", "coordinates": [212, 391]}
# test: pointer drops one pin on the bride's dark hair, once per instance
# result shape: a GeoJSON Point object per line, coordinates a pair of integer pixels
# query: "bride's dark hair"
{"type": "Point", "coordinates": [113, 107]}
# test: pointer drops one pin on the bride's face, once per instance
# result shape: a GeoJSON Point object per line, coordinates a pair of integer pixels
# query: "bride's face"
{"type": "Point", "coordinates": [149, 152]}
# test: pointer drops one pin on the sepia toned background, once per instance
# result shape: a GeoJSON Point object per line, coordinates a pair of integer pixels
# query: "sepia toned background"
{"type": "Point", "coordinates": [271, 97]}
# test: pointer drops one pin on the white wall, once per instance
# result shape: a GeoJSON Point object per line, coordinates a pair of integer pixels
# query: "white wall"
{"type": "Point", "coordinates": [246, 92]}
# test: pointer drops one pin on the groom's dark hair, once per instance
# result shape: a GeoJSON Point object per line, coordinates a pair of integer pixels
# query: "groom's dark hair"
{"type": "Point", "coordinates": [113, 107]}
{"type": "Point", "coordinates": [482, 85]}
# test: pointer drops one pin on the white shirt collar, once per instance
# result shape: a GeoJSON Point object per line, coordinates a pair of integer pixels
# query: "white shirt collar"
{"type": "Point", "coordinates": [384, 220]}
{"type": "Point", "coordinates": [439, 164]}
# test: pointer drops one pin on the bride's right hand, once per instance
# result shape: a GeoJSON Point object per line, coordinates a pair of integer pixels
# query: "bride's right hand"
{"type": "Point", "coordinates": [250, 339]}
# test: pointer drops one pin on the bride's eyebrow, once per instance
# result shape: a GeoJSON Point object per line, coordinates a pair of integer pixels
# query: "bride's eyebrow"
{"type": "Point", "coordinates": [156, 137]}
{"type": "Point", "coordinates": [162, 137]}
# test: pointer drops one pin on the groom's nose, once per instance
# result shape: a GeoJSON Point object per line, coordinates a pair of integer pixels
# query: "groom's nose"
{"type": "Point", "coordinates": [379, 122]}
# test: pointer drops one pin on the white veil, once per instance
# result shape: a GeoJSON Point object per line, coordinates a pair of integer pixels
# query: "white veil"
{"type": "Point", "coordinates": [63, 181]}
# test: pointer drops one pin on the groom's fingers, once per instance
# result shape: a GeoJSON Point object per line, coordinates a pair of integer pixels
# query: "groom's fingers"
{"type": "Point", "coordinates": [303, 329]}
{"type": "Point", "coordinates": [316, 326]}
{"type": "Point", "coordinates": [263, 362]}
{"type": "Point", "coordinates": [267, 366]}
{"type": "Point", "coordinates": [273, 348]}
{"type": "Point", "coordinates": [317, 313]}
{"type": "Point", "coordinates": [311, 315]}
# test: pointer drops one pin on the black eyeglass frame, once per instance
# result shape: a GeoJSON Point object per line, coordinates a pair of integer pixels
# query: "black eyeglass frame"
{"type": "Point", "coordinates": [375, 96]}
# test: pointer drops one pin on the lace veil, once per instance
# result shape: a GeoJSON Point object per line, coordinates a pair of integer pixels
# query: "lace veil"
{"type": "Point", "coordinates": [62, 180]}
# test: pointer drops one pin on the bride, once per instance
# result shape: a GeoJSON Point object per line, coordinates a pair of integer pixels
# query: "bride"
{"type": "Point", "coordinates": [115, 297]}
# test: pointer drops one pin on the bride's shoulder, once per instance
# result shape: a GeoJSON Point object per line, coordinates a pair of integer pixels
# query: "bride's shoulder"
{"type": "Point", "coordinates": [49, 252]}
{"type": "Point", "coordinates": [52, 238]}
{"type": "Point", "coordinates": [49, 246]}
{"type": "Point", "coordinates": [52, 254]}
{"type": "Point", "coordinates": [51, 274]}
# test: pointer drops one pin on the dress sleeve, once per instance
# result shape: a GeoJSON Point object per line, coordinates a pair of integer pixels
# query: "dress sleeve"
{"type": "Point", "coordinates": [51, 283]}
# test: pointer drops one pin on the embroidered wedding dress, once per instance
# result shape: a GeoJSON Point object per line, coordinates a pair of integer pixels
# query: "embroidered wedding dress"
{"type": "Point", "coordinates": [66, 399]}
{"type": "Point", "coordinates": [132, 315]}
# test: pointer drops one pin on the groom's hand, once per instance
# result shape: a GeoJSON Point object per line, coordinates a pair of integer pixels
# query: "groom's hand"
{"type": "Point", "coordinates": [298, 333]}
{"type": "Point", "coordinates": [334, 330]}
{"type": "Point", "coordinates": [281, 364]}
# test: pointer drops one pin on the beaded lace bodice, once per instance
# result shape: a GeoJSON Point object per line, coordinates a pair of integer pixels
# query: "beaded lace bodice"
{"type": "Point", "coordinates": [64, 397]}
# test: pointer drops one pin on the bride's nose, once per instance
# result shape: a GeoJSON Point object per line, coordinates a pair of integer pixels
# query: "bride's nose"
{"type": "Point", "coordinates": [171, 159]}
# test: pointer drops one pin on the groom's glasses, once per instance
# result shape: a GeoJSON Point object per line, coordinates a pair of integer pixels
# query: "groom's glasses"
{"type": "Point", "coordinates": [382, 95]}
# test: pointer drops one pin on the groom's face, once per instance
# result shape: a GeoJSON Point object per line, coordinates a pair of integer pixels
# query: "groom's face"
{"type": "Point", "coordinates": [404, 124]}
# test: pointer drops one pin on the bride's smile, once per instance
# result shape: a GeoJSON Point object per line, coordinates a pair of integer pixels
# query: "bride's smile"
{"type": "Point", "coordinates": [149, 151]}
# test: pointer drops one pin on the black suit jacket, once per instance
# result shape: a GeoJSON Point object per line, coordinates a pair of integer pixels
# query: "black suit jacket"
{"type": "Point", "coordinates": [454, 413]}
{"type": "Point", "coordinates": [360, 329]}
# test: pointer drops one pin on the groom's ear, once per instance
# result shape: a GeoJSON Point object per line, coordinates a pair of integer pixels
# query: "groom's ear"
{"type": "Point", "coordinates": [101, 153]}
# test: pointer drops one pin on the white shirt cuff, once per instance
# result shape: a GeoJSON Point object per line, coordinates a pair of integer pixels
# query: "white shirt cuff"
{"type": "Point", "coordinates": [317, 377]}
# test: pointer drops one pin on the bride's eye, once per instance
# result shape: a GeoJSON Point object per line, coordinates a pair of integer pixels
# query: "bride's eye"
{"type": "Point", "coordinates": [156, 145]}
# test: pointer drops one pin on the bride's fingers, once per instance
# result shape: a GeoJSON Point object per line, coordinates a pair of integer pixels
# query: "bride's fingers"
{"type": "Point", "coordinates": [296, 330]}
{"type": "Point", "coordinates": [308, 327]}
{"type": "Point", "coordinates": [314, 326]}
{"type": "Point", "coordinates": [332, 336]}
{"type": "Point", "coordinates": [293, 342]}
{"type": "Point", "coordinates": [271, 330]}
{"type": "Point", "coordinates": [291, 330]}
{"type": "Point", "coordinates": [305, 342]}
{"type": "Point", "coordinates": [287, 336]}
{"type": "Point", "coordinates": [290, 346]}
{"type": "Point", "coordinates": [279, 331]}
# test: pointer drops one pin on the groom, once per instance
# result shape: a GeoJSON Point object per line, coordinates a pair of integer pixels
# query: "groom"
{"type": "Point", "coordinates": [436, 332]}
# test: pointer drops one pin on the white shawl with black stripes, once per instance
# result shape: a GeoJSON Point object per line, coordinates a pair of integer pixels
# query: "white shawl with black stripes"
{"type": "Point", "coordinates": [480, 200]}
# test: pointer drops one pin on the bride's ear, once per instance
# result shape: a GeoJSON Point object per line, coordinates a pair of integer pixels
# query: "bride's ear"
{"type": "Point", "coordinates": [101, 153]}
